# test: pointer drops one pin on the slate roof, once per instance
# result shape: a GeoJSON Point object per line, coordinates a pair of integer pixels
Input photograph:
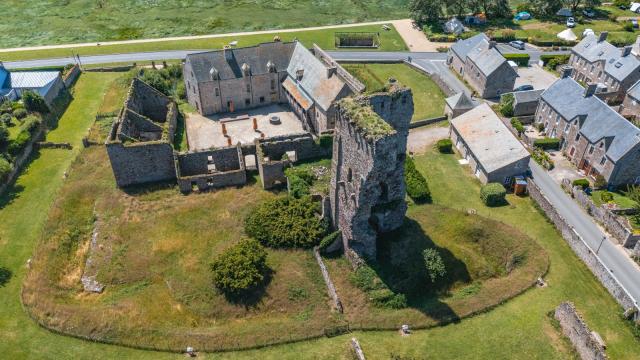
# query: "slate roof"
{"type": "Point", "coordinates": [634, 91]}
{"type": "Point", "coordinates": [462, 47]}
{"type": "Point", "coordinates": [566, 97]}
{"type": "Point", "coordinates": [520, 97]}
{"type": "Point", "coordinates": [635, 49]}
{"type": "Point", "coordinates": [459, 101]}
{"type": "Point", "coordinates": [256, 57]}
{"type": "Point", "coordinates": [487, 60]}
{"type": "Point", "coordinates": [488, 139]}
{"type": "Point", "coordinates": [292, 87]}
{"type": "Point", "coordinates": [616, 65]}
{"type": "Point", "coordinates": [32, 79]}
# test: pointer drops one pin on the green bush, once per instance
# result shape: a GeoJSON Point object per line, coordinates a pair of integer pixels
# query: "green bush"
{"type": "Point", "coordinates": [31, 123]}
{"type": "Point", "coordinates": [6, 107]}
{"type": "Point", "coordinates": [300, 181]}
{"type": "Point", "coordinates": [157, 81]}
{"type": "Point", "coordinates": [385, 298]}
{"type": "Point", "coordinates": [434, 264]}
{"type": "Point", "coordinates": [520, 59]}
{"type": "Point", "coordinates": [5, 169]}
{"type": "Point", "coordinates": [286, 222]}
{"type": "Point", "coordinates": [600, 182]}
{"type": "Point", "coordinates": [493, 194]}
{"type": "Point", "coordinates": [583, 183]}
{"type": "Point", "coordinates": [5, 119]}
{"type": "Point", "coordinates": [417, 187]}
{"type": "Point", "coordinates": [366, 279]}
{"type": "Point", "coordinates": [506, 105]}
{"type": "Point", "coordinates": [625, 3]}
{"type": "Point", "coordinates": [34, 102]}
{"type": "Point", "coordinates": [540, 127]}
{"type": "Point", "coordinates": [547, 143]}
{"type": "Point", "coordinates": [517, 125]}
{"type": "Point", "coordinates": [4, 135]}
{"type": "Point", "coordinates": [16, 145]}
{"type": "Point", "coordinates": [445, 146]}
{"type": "Point", "coordinates": [627, 26]}
{"type": "Point", "coordinates": [181, 91]}
{"type": "Point", "coordinates": [553, 61]}
{"type": "Point", "coordinates": [606, 196]}
{"type": "Point", "coordinates": [20, 113]}
{"type": "Point", "coordinates": [326, 141]}
{"type": "Point", "coordinates": [328, 240]}
{"type": "Point", "coordinates": [241, 268]}
{"type": "Point", "coordinates": [542, 158]}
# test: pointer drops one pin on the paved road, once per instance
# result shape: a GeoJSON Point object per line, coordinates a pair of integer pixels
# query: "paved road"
{"type": "Point", "coordinates": [614, 258]}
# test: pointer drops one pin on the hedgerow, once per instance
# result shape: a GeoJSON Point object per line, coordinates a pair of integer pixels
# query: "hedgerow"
{"type": "Point", "coordinates": [417, 187]}
{"type": "Point", "coordinates": [493, 194]}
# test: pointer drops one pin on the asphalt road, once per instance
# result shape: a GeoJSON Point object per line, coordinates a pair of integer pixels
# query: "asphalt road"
{"type": "Point", "coordinates": [614, 258]}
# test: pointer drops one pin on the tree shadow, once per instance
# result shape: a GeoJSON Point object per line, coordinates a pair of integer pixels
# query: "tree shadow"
{"type": "Point", "coordinates": [400, 265]}
{"type": "Point", "coordinates": [253, 296]}
{"type": "Point", "coordinates": [5, 276]}
{"type": "Point", "coordinates": [144, 189]}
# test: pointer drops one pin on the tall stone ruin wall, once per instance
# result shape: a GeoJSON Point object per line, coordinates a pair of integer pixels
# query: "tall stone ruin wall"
{"type": "Point", "coordinates": [140, 163]}
{"type": "Point", "coordinates": [574, 327]}
{"type": "Point", "coordinates": [196, 163]}
{"type": "Point", "coordinates": [147, 101]}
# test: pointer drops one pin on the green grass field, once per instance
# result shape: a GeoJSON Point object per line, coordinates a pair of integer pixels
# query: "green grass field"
{"type": "Point", "coordinates": [42, 22]}
{"type": "Point", "coordinates": [428, 99]}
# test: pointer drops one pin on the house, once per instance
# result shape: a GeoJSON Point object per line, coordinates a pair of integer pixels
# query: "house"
{"type": "Point", "coordinates": [229, 80]}
{"type": "Point", "coordinates": [593, 136]}
{"type": "Point", "coordinates": [457, 104]}
{"type": "Point", "coordinates": [525, 103]}
{"type": "Point", "coordinates": [47, 84]}
{"type": "Point", "coordinates": [493, 152]}
{"type": "Point", "coordinates": [453, 26]}
{"type": "Point", "coordinates": [480, 64]}
{"type": "Point", "coordinates": [596, 61]}
{"type": "Point", "coordinates": [630, 107]}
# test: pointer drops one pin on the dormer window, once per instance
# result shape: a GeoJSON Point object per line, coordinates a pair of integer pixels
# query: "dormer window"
{"type": "Point", "coordinates": [271, 67]}
{"type": "Point", "coordinates": [603, 160]}
{"type": "Point", "coordinates": [246, 69]}
{"type": "Point", "coordinates": [299, 74]}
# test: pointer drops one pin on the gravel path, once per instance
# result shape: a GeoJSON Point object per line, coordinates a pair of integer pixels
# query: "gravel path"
{"type": "Point", "coordinates": [421, 138]}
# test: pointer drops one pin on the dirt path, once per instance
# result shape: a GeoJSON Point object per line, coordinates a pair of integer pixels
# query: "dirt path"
{"type": "Point", "coordinates": [421, 138]}
{"type": "Point", "coordinates": [415, 39]}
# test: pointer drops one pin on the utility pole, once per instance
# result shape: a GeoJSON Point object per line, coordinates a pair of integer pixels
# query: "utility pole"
{"type": "Point", "coordinates": [601, 242]}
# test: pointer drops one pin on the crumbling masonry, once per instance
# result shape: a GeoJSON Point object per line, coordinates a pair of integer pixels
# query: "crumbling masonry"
{"type": "Point", "coordinates": [367, 182]}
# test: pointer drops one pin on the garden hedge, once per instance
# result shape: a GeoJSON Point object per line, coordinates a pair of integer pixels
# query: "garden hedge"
{"type": "Point", "coordinates": [520, 59]}
{"type": "Point", "coordinates": [445, 146]}
{"type": "Point", "coordinates": [417, 187]}
{"type": "Point", "coordinates": [506, 105]}
{"type": "Point", "coordinates": [493, 194]}
{"type": "Point", "coordinates": [517, 125]}
{"type": "Point", "coordinates": [547, 143]}
{"type": "Point", "coordinates": [583, 183]}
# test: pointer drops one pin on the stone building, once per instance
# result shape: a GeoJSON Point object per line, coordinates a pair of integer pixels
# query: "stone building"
{"type": "Point", "coordinates": [493, 152]}
{"type": "Point", "coordinates": [525, 103]}
{"type": "Point", "coordinates": [367, 193]}
{"type": "Point", "coordinates": [593, 136]}
{"type": "Point", "coordinates": [613, 70]}
{"type": "Point", "coordinates": [479, 63]}
{"type": "Point", "coordinates": [234, 79]}
{"type": "Point", "coordinates": [457, 104]}
{"type": "Point", "coordinates": [630, 107]}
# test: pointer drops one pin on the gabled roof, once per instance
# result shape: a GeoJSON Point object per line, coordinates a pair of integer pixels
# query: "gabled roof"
{"type": "Point", "coordinates": [488, 138]}
{"type": "Point", "coordinates": [32, 79]}
{"type": "Point", "coordinates": [298, 94]}
{"type": "Point", "coordinates": [462, 47]}
{"type": "Point", "coordinates": [567, 98]}
{"type": "Point", "coordinates": [634, 91]}
{"type": "Point", "coordinates": [459, 101]}
{"type": "Point", "coordinates": [617, 66]}
{"type": "Point", "coordinates": [527, 96]}
{"type": "Point", "coordinates": [487, 59]}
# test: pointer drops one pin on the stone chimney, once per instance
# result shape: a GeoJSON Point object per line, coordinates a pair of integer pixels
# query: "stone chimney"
{"type": "Point", "coordinates": [331, 70]}
{"type": "Point", "coordinates": [566, 71]}
{"type": "Point", "coordinates": [603, 36]}
{"type": "Point", "coordinates": [492, 44]}
{"type": "Point", "coordinates": [228, 54]}
{"type": "Point", "coordinates": [299, 74]}
{"type": "Point", "coordinates": [590, 90]}
{"type": "Point", "coordinates": [626, 51]}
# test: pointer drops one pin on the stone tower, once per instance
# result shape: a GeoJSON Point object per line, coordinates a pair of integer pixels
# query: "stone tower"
{"type": "Point", "coordinates": [367, 182]}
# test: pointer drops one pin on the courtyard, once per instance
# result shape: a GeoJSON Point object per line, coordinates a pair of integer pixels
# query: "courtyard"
{"type": "Point", "coordinates": [536, 76]}
{"type": "Point", "coordinates": [206, 132]}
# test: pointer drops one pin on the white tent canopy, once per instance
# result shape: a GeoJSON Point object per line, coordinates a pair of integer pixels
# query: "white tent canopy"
{"type": "Point", "coordinates": [567, 35]}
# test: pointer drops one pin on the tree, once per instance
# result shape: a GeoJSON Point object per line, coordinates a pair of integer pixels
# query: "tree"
{"type": "Point", "coordinates": [434, 264]}
{"type": "Point", "coordinates": [501, 9]}
{"type": "Point", "coordinates": [546, 8]}
{"type": "Point", "coordinates": [457, 7]}
{"type": "Point", "coordinates": [4, 135]}
{"type": "Point", "coordinates": [34, 102]}
{"type": "Point", "coordinates": [241, 268]}
{"type": "Point", "coordinates": [5, 169]}
{"type": "Point", "coordinates": [157, 81]}
{"type": "Point", "coordinates": [425, 11]}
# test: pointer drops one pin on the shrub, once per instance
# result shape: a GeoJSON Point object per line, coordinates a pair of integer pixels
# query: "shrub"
{"type": "Point", "coordinates": [542, 158]}
{"type": "Point", "coordinates": [600, 182]}
{"type": "Point", "coordinates": [417, 187]}
{"type": "Point", "coordinates": [328, 240]}
{"type": "Point", "coordinates": [493, 194]}
{"type": "Point", "coordinates": [606, 196]}
{"type": "Point", "coordinates": [5, 107]}
{"type": "Point", "coordinates": [241, 268]}
{"type": "Point", "coordinates": [5, 169]}
{"type": "Point", "coordinates": [31, 123]}
{"type": "Point", "coordinates": [157, 81]}
{"type": "Point", "coordinates": [520, 59]}
{"type": "Point", "coordinates": [286, 222]}
{"type": "Point", "coordinates": [20, 113]}
{"type": "Point", "coordinates": [547, 143]}
{"type": "Point", "coordinates": [325, 141]}
{"type": "Point", "coordinates": [385, 298]}
{"type": "Point", "coordinates": [627, 26]}
{"type": "Point", "coordinates": [445, 146]}
{"type": "Point", "coordinates": [540, 127]}
{"type": "Point", "coordinates": [34, 102]}
{"type": "Point", "coordinates": [181, 91]}
{"type": "Point", "coordinates": [517, 125]}
{"type": "Point", "coordinates": [5, 119]}
{"type": "Point", "coordinates": [16, 145]}
{"type": "Point", "coordinates": [4, 135]}
{"type": "Point", "coordinates": [366, 279]}
{"type": "Point", "coordinates": [625, 3]}
{"type": "Point", "coordinates": [300, 181]}
{"type": "Point", "coordinates": [434, 264]}
{"type": "Point", "coordinates": [442, 49]}
{"type": "Point", "coordinates": [583, 183]}
{"type": "Point", "coordinates": [506, 105]}
{"type": "Point", "coordinates": [553, 61]}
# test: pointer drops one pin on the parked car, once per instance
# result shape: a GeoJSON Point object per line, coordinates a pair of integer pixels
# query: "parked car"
{"type": "Point", "coordinates": [589, 12]}
{"type": "Point", "coordinates": [571, 22]}
{"type": "Point", "coordinates": [517, 44]}
{"type": "Point", "coordinates": [523, 88]}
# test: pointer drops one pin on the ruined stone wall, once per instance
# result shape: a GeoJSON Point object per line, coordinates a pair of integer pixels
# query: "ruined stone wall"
{"type": "Point", "coordinates": [147, 101]}
{"type": "Point", "coordinates": [581, 249]}
{"type": "Point", "coordinates": [367, 183]}
{"type": "Point", "coordinates": [304, 145]}
{"type": "Point", "coordinates": [140, 163]}
{"type": "Point", "coordinates": [197, 163]}
{"type": "Point", "coordinates": [211, 181]}
{"type": "Point", "coordinates": [574, 327]}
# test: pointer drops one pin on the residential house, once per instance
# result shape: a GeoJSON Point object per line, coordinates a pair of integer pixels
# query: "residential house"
{"type": "Point", "coordinates": [525, 103]}
{"type": "Point", "coordinates": [230, 80]}
{"type": "Point", "coordinates": [614, 70]}
{"type": "Point", "coordinates": [480, 64]}
{"type": "Point", "coordinates": [593, 136]}
{"type": "Point", "coordinates": [457, 104]}
{"type": "Point", "coordinates": [630, 107]}
{"type": "Point", "coordinates": [493, 152]}
{"type": "Point", "coordinates": [13, 84]}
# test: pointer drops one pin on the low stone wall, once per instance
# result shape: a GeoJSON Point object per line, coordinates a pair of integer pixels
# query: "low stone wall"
{"type": "Point", "coordinates": [140, 163]}
{"type": "Point", "coordinates": [357, 349]}
{"type": "Point", "coordinates": [587, 343]}
{"type": "Point", "coordinates": [196, 163]}
{"type": "Point", "coordinates": [426, 122]}
{"type": "Point", "coordinates": [331, 289]}
{"type": "Point", "coordinates": [436, 78]}
{"type": "Point", "coordinates": [581, 249]}
{"type": "Point", "coordinates": [211, 181]}
{"type": "Point", "coordinates": [613, 223]}
{"type": "Point", "coordinates": [53, 145]}
{"type": "Point", "coordinates": [71, 76]}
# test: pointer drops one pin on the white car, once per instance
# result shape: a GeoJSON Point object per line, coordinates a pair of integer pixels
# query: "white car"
{"type": "Point", "coordinates": [571, 22]}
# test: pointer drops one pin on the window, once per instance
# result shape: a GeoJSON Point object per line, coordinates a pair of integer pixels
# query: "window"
{"type": "Point", "coordinates": [261, 99]}
{"type": "Point", "coordinates": [349, 175]}
{"type": "Point", "coordinates": [601, 144]}
{"type": "Point", "coordinates": [603, 160]}
{"type": "Point", "coordinates": [566, 128]}
{"type": "Point", "coordinates": [247, 102]}
{"type": "Point", "coordinates": [578, 137]}
{"type": "Point", "coordinates": [591, 149]}
{"type": "Point", "coordinates": [217, 91]}
{"type": "Point", "coordinates": [273, 84]}
{"type": "Point", "coordinates": [248, 88]}
{"type": "Point", "coordinates": [573, 150]}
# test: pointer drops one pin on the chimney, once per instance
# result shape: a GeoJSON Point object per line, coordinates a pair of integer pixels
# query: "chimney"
{"type": "Point", "coordinates": [331, 70]}
{"type": "Point", "coordinates": [626, 51]}
{"type": "Point", "coordinates": [228, 54]}
{"type": "Point", "coordinates": [492, 44]}
{"type": "Point", "coordinates": [603, 36]}
{"type": "Point", "coordinates": [565, 71]}
{"type": "Point", "coordinates": [299, 74]}
{"type": "Point", "coordinates": [590, 90]}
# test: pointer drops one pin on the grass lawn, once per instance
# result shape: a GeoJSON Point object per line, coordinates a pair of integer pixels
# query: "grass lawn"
{"type": "Point", "coordinates": [389, 41]}
{"type": "Point", "coordinates": [85, 21]}
{"type": "Point", "coordinates": [428, 99]}
{"type": "Point", "coordinates": [618, 198]}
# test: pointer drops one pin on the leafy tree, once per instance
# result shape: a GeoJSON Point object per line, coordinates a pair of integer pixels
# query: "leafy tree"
{"type": "Point", "coordinates": [546, 8]}
{"type": "Point", "coordinates": [506, 105]}
{"type": "Point", "coordinates": [34, 102]}
{"type": "Point", "coordinates": [5, 119]}
{"type": "Point", "coordinates": [434, 264]}
{"type": "Point", "coordinates": [619, 3]}
{"type": "Point", "coordinates": [457, 7]}
{"type": "Point", "coordinates": [425, 11]}
{"type": "Point", "coordinates": [4, 135]}
{"type": "Point", "coordinates": [501, 9]}
{"type": "Point", "coordinates": [241, 268]}
{"type": "Point", "coordinates": [417, 187]}
{"type": "Point", "coordinates": [5, 169]}
{"type": "Point", "coordinates": [157, 81]}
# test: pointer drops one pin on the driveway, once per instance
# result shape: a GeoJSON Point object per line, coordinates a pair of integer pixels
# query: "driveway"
{"type": "Point", "coordinates": [563, 168]}
{"type": "Point", "coordinates": [415, 38]}
{"type": "Point", "coordinates": [421, 138]}
{"type": "Point", "coordinates": [536, 76]}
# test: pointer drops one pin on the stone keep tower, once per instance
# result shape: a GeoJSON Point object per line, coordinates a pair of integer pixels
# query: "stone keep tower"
{"type": "Point", "coordinates": [367, 182]}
